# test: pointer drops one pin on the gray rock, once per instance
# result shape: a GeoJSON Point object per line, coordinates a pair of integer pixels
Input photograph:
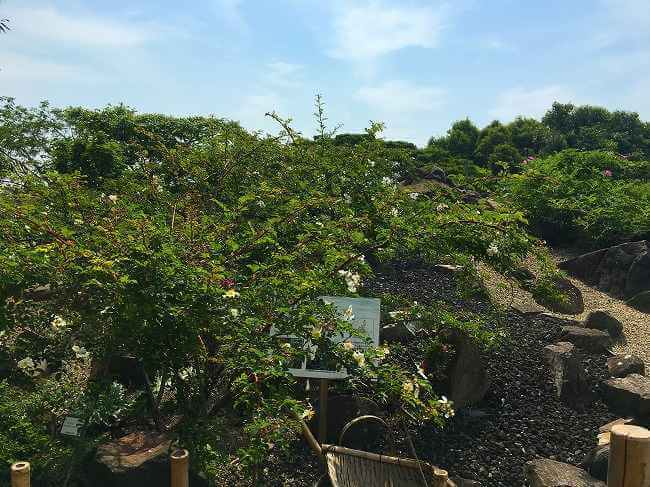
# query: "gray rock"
{"type": "Point", "coordinates": [610, 269]}
{"type": "Point", "coordinates": [586, 338]}
{"type": "Point", "coordinates": [625, 364]}
{"type": "Point", "coordinates": [468, 379]}
{"type": "Point", "coordinates": [628, 396]}
{"type": "Point", "coordinates": [584, 267]}
{"type": "Point", "coordinates": [549, 473]}
{"type": "Point", "coordinates": [641, 302]}
{"type": "Point", "coordinates": [571, 385]}
{"type": "Point", "coordinates": [638, 277]}
{"type": "Point", "coordinates": [573, 303]}
{"type": "Point", "coordinates": [137, 459]}
{"type": "Point", "coordinates": [597, 462]}
{"type": "Point", "coordinates": [602, 320]}
{"type": "Point", "coordinates": [435, 173]}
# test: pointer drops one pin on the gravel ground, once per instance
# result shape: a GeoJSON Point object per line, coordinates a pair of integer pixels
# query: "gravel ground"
{"type": "Point", "coordinates": [519, 419]}
{"type": "Point", "coordinates": [636, 324]}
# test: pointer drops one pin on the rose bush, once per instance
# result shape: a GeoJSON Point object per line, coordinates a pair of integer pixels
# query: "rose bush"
{"type": "Point", "coordinates": [185, 241]}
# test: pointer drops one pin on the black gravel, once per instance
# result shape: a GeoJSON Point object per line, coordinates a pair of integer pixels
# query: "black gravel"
{"type": "Point", "coordinates": [520, 419]}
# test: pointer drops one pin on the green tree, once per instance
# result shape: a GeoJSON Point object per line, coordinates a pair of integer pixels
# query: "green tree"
{"type": "Point", "coordinates": [530, 136]}
{"type": "Point", "coordinates": [505, 157]}
{"type": "Point", "coordinates": [490, 137]}
{"type": "Point", "coordinates": [461, 139]}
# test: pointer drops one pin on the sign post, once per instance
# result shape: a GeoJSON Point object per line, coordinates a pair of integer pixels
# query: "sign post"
{"type": "Point", "coordinates": [364, 315]}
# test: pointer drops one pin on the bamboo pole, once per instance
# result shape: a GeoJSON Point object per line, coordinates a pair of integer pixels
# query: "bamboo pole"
{"type": "Point", "coordinates": [20, 474]}
{"type": "Point", "coordinates": [629, 457]}
{"type": "Point", "coordinates": [322, 417]}
{"type": "Point", "coordinates": [179, 460]}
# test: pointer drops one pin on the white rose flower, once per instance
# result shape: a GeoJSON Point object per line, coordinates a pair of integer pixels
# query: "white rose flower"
{"type": "Point", "coordinates": [359, 358]}
{"type": "Point", "coordinates": [80, 352]}
{"type": "Point", "coordinates": [493, 249]}
{"type": "Point", "coordinates": [26, 364]}
{"type": "Point", "coordinates": [59, 323]}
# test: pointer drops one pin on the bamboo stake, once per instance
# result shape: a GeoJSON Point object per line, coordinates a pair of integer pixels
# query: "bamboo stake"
{"type": "Point", "coordinates": [322, 417]}
{"type": "Point", "coordinates": [179, 460]}
{"type": "Point", "coordinates": [20, 474]}
{"type": "Point", "coordinates": [629, 457]}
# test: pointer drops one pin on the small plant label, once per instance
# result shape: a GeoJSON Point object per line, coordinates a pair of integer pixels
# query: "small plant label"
{"type": "Point", "coordinates": [71, 426]}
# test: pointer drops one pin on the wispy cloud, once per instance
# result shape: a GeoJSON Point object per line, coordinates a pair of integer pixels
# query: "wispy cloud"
{"type": "Point", "coordinates": [26, 69]}
{"type": "Point", "coordinates": [399, 96]}
{"type": "Point", "coordinates": [529, 102]}
{"type": "Point", "coordinates": [283, 74]}
{"type": "Point", "coordinates": [374, 28]}
{"type": "Point", "coordinates": [47, 23]}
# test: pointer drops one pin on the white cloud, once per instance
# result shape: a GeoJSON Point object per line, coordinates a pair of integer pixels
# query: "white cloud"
{"type": "Point", "coordinates": [529, 102]}
{"type": "Point", "coordinates": [25, 69]}
{"type": "Point", "coordinates": [48, 23]}
{"type": "Point", "coordinates": [253, 107]}
{"type": "Point", "coordinates": [283, 74]}
{"type": "Point", "coordinates": [399, 96]}
{"type": "Point", "coordinates": [373, 29]}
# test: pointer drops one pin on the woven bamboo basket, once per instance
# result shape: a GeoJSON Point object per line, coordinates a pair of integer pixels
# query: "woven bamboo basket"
{"type": "Point", "coordinates": [355, 468]}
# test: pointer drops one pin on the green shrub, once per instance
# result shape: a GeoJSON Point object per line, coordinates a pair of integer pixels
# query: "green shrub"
{"type": "Point", "coordinates": [584, 198]}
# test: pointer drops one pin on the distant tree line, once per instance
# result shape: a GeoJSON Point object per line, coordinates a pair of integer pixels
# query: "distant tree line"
{"type": "Point", "coordinates": [500, 146]}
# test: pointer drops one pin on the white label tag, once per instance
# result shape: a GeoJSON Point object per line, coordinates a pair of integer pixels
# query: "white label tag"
{"type": "Point", "coordinates": [71, 426]}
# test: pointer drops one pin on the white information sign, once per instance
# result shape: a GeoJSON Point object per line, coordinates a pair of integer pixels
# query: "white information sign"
{"type": "Point", "coordinates": [71, 426]}
{"type": "Point", "coordinates": [363, 314]}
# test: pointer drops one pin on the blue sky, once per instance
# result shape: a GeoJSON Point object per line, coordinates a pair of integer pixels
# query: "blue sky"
{"type": "Point", "coordinates": [415, 65]}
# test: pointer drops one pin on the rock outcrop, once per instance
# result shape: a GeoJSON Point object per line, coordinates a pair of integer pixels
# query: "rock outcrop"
{"type": "Point", "coordinates": [622, 270]}
{"type": "Point", "coordinates": [625, 364]}
{"type": "Point", "coordinates": [571, 385]}
{"type": "Point", "coordinates": [628, 396]}
{"type": "Point", "coordinates": [603, 321]}
{"type": "Point", "coordinates": [587, 338]}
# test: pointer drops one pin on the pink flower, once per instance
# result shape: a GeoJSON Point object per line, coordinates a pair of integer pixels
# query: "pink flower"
{"type": "Point", "coordinates": [607, 173]}
{"type": "Point", "coordinates": [227, 283]}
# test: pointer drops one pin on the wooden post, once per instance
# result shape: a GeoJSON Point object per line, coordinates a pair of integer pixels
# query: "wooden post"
{"type": "Point", "coordinates": [179, 460]}
{"type": "Point", "coordinates": [629, 457]}
{"type": "Point", "coordinates": [322, 417]}
{"type": "Point", "coordinates": [20, 473]}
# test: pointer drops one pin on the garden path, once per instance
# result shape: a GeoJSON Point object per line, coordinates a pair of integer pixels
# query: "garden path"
{"type": "Point", "coordinates": [636, 324]}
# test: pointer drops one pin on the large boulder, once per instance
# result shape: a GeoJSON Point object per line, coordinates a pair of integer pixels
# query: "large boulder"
{"type": "Point", "coordinates": [602, 320]}
{"type": "Point", "coordinates": [433, 172]}
{"type": "Point", "coordinates": [625, 364]}
{"type": "Point", "coordinates": [628, 396]}
{"type": "Point", "coordinates": [549, 473]}
{"type": "Point", "coordinates": [641, 302]}
{"type": "Point", "coordinates": [622, 270]}
{"type": "Point", "coordinates": [571, 385]}
{"type": "Point", "coordinates": [137, 459]}
{"type": "Point", "coordinates": [638, 277]}
{"type": "Point", "coordinates": [467, 376]}
{"type": "Point", "coordinates": [572, 302]}
{"type": "Point", "coordinates": [586, 338]}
